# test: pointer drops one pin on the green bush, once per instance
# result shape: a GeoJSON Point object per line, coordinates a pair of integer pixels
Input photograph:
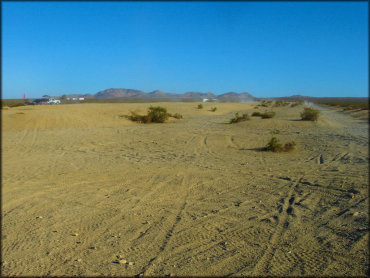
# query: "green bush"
{"type": "Point", "coordinates": [213, 109]}
{"type": "Point", "coordinates": [157, 114]}
{"type": "Point", "coordinates": [200, 106]}
{"type": "Point", "coordinates": [310, 114]}
{"type": "Point", "coordinates": [154, 115]}
{"type": "Point", "coordinates": [275, 146]}
{"type": "Point", "coordinates": [238, 119]}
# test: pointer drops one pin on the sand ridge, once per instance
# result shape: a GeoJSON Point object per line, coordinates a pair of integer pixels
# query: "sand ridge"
{"type": "Point", "coordinates": [195, 196]}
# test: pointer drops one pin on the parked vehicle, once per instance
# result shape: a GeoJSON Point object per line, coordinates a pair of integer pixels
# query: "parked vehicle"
{"type": "Point", "coordinates": [40, 101]}
{"type": "Point", "coordinates": [45, 101]}
{"type": "Point", "coordinates": [54, 101]}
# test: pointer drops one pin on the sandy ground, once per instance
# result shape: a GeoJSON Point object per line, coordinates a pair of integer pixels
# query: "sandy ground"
{"type": "Point", "coordinates": [82, 186]}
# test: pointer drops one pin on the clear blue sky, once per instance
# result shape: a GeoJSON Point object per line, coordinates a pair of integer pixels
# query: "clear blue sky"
{"type": "Point", "coordinates": [265, 48]}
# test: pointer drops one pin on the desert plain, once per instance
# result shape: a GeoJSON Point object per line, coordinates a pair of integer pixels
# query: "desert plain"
{"type": "Point", "coordinates": [87, 192]}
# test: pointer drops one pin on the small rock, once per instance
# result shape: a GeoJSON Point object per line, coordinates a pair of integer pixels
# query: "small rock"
{"type": "Point", "coordinates": [131, 263]}
{"type": "Point", "coordinates": [92, 247]}
{"type": "Point", "coordinates": [38, 217]}
{"type": "Point", "coordinates": [74, 234]}
{"type": "Point", "coordinates": [78, 260]}
{"type": "Point", "coordinates": [289, 251]}
{"type": "Point", "coordinates": [122, 262]}
{"type": "Point", "coordinates": [355, 214]}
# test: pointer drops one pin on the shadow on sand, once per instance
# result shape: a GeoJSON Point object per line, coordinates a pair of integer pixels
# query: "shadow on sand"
{"type": "Point", "coordinates": [254, 149]}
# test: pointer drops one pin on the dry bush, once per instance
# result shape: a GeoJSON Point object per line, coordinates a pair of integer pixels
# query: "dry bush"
{"type": "Point", "coordinates": [275, 146]}
{"type": "Point", "coordinates": [310, 114]}
{"type": "Point", "coordinates": [213, 109]}
{"type": "Point", "coordinates": [176, 115]}
{"type": "Point", "coordinates": [279, 103]}
{"type": "Point", "coordinates": [238, 119]}
{"type": "Point", "coordinates": [256, 114]}
{"type": "Point", "coordinates": [297, 103]}
{"type": "Point", "coordinates": [200, 106]}
{"type": "Point", "coordinates": [136, 117]}
{"type": "Point", "coordinates": [268, 115]}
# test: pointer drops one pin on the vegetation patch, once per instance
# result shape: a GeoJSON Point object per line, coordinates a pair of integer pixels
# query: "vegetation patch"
{"type": "Point", "coordinates": [297, 103]}
{"type": "Point", "coordinates": [268, 115]}
{"type": "Point", "coordinates": [256, 114]}
{"type": "Point", "coordinates": [280, 103]}
{"type": "Point", "coordinates": [176, 115]}
{"type": "Point", "coordinates": [213, 109]}
{"type": "Point", "coordinates": [238, 119]}
{"type": "Point", "coordinates": [16, 104]}
{"type": "Point", "coordinates": [362, 104]}
{"type": "Point", "coordinates": [275, 146]}
{"type": "Point", "coordinates": [155, 114]}
{"type": "Point", "coordinates": [310, 114]}
{"type": "Point", "coordinates": [200, 106]}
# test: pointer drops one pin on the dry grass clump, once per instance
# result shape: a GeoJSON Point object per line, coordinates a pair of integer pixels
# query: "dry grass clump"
{"type": "Point", "coordinates": [256, 114]}
{"type": "Point", "coordinates": [310, 114]}
{"type": "Point", "coordinates": [213, 109]}
{"type": "Point", "coordinates": [16, 104]}
{"type": "Point", "coordinates": [275, 146]}
{"type": "Point", "coordinates": [200, 106]}
{"type": "Point", "coordinates": [176, 115]}
{"type": "Point", "coordinates": [238, 119]}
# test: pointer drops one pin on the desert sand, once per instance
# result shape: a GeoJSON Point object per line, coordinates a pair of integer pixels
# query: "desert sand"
{"type": "Point", "coordinates": [85, 191]}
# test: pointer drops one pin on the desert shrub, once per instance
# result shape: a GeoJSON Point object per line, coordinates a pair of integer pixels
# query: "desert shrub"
{"type": "Point", "coordinates": [136, 117]}
{"type": "Point", "coordinates": [256, 114]}
{"type": "Point", "coordinates": [278, 103]}
{"type": "Point", "coordinates": [289, 146]}
{"type": "Point", "coordinates": [238, 119]}
{"type": "Point", "coordinates": [176, 115]}
{"type": "Point", "coordinates": [275, 146]}
{"type": "Point", "coordinates": [268, 114]}
{"type": "Point", "coordinates": [155, 114]}
{"type": "Point", "coordinates": [213, 109]}
{"type": "Point", "coordinates": [245, 117]}
{"type": "Point", "coordinates": [200, 106]}
{"type": "Point", "coordinates": [310, 114]}
{"type": "Point", "coordinates": [297, 103]}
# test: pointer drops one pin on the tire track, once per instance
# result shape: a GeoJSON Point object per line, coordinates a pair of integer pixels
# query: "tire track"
{"type": "Point", "coordinates": [168, 235]}
{"type": "Point", "coordinates": [263, 264]}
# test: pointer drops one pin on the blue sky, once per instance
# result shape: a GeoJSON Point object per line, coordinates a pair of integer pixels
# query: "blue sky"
{"type": "Point", "coordinates": [265, 48]}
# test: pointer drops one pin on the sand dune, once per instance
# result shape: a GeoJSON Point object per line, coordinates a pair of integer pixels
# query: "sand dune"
{"type": "Point", "coordinates": [83, 187]}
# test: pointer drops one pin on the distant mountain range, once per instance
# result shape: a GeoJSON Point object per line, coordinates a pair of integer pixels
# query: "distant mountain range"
{"type": "Point", "coordinates": [137, 94]}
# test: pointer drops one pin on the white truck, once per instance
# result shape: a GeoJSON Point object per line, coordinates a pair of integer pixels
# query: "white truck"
{"type": "Point", "coordinates": [53, 101]}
